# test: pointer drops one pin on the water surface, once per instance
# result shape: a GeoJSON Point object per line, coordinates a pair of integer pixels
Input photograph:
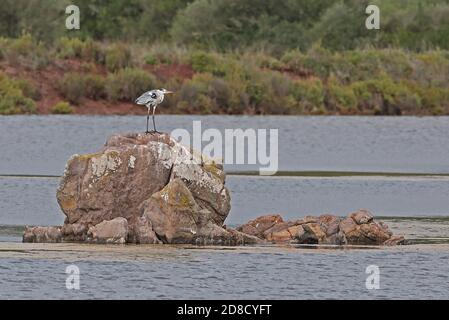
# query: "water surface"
{"type": "Point", "coordinates": [42, 144]}
{"type": "Point", "coordinates": [151, 272]}
{"type": "Point", "coordinates": [415, 206]}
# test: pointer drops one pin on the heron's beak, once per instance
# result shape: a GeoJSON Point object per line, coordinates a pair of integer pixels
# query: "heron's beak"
{"type": "Point", "coordinates": [168, 92]}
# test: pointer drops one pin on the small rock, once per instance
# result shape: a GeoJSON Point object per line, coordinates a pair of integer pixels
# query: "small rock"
{"type": "Point", "coordinates": [364, 234]}
{"type": "Point", "coordinates": [329, 223]}
{"type": "Point", "coordinates": [110, 231]}
{"type": "Point", "coordinates": [141, 232]}
{"type": "Point", "coordinates": [258, 226]}
{"type": "Point", "coordinates": [394, 241]}
{"type": "Point", "coordinates": [42, 234]}
{"type": "Point", "coordinates": [313, 234]}
{"type": "Point", "coordinates": [362, 216]}
{"type": "Point", "coordinates": [74, 232]}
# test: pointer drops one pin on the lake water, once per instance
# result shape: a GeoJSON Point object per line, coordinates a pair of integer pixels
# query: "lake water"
{"type": "Point", "coordinates": [417, 206]}
{"type": "Point", "coordinates": [42, 144]}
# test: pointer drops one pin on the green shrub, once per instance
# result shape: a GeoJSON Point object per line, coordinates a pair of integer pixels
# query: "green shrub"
{"type": "Point", "coordinates": [88, 50]}
{"type": "Point", "coordinates": [69, 48]}
{"type": "Point", "coordinates": [95, 86]}
{"type": "Point", "coordinates": [151, 60]}
{"type": "Point", "coordinates": [207, 62]}
{"type": "Point", "coordinates": [127, 84]}
{"type": "Point", "coordinates": [118, 56]}
{"type": "Point", "coordinates": [194, 95]}
{"type": "Point", "coordinates": [26, 52]}
{"type": "Point", "coordinates": [340, 99]}
{"type": "Point", "coordinates": [317, 61]}
{"type": "Point", "coordinates": [73, 87]}
{"type": "Point", "coordinates": [434, 100]}
{"type": "Point", "coordinates": [163, 53]}
{"type": "Point", "coordinates": [29, 89]}
{"type": "Point", "coordinates": [386, 97]}
{"type": "Point", "coordinates": [310, 95]}
{"type": "Point", "coordinates": [62, 108]}
{"type": "Point", "coordinates": [3, 46]}
{"type": "Point", "coordinates": [12, 99]}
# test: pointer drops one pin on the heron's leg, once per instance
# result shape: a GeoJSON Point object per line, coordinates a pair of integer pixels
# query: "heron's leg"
{"type": "Point", "coordinates": [148, 119]}
{"type": "Point", "coordinates": [154, 123]}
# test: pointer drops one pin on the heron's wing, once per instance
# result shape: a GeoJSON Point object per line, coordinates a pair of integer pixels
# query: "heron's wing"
{"type": "Point", "coordinates": [145, 98]}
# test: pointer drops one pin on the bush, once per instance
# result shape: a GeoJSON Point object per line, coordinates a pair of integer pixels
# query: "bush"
{"type": "Point", "coordinates": [194, 95]}
{"type": "Point", "coordinates": [151, 60]}
{"type": "Point", "coordinates": [26, 52]}
{"type": "Point", "coordinates": [317, 61]}
{"type": "Point", "coordinates": [207, 62]}
{"type": "Point", "coordinates": [434, 100]}
{"type": "Point", "coordinates": [73, 87]}
{"type": "Point", "coordinates": [117, 57]}
{"type": "Point", "coordinates": [340, 99]}
{"type": "Point", "coordinates": [76, 48]}
{"type": "Point", "coordinates": [62, 108]}
{"type": "Point", "coordinates": [29, 90]}
{"type": "Point", "coordinates": [94, 86]}
{"type": "Point", "coordinates": [128, 84]}
{"type": "Point", "coordinates": [309, 94]}
{"type": "Point", "coordinates": [69, 48]}
{"type": "Point", "coordinates": [12, 99]}
{"type": "Point", "coordinates": [385, 97]}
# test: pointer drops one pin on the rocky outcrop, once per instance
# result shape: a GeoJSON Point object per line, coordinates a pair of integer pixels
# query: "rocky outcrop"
{"type": "Point", "coordinates": [143, 188]}
{"type": "Point", "coordinates": [358, 228]}
{"type": "Point", "coordinates": [149, 189]}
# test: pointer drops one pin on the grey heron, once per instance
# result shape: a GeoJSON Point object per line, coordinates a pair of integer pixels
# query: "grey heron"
{"type": "Point", "coordinates": [151, 99]}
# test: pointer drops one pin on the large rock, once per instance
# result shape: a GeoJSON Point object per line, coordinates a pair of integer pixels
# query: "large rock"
{"type": "Point", "coordinates": [175, 215]}
{"type": "Point", "coordinates": [164, 192]}
{"type": "Point", "coordinates": [177, 218]}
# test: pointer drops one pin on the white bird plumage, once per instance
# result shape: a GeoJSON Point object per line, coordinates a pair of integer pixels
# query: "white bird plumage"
{"type": "Point", "coordinates": [151, 99]}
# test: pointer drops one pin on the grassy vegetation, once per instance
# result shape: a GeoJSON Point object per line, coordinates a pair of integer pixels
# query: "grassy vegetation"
{"type": "Point", "coordinates": [231, 56]}
{"type": "Point", "coordinates": [62, 108]}
{"type": "Point", "coordinates": [319, 81]}
{"type": "Point", "coordinates": [12, 98]}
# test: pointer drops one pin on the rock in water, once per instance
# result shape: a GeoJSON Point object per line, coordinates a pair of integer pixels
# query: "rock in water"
{"type": "Point", "coordinates": [42, 234]}
{"type": "Point", "coordinates": [150, 189]}
{"type": "Point", "coordinates": [143, 188]}
{"type": "Point", "coordinates": [358, 228]}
